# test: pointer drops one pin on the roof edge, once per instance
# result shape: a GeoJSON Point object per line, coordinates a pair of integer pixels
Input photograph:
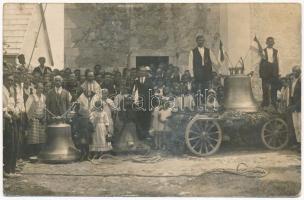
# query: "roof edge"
{"type": "Point", "coordinates": [47, 34]}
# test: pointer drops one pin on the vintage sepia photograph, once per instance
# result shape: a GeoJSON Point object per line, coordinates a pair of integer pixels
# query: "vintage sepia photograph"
{"type": "Point", "coordinates": [151, 99]}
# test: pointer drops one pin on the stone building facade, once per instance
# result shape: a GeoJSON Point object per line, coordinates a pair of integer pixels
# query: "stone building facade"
{"type": "Point", "coordinates": [116, 35]}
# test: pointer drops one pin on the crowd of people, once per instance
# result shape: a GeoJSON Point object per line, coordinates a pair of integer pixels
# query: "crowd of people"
{"type": "Point", "coordinates": [105, 102]}
{"type": "Point", "coordinates": [34, 98]}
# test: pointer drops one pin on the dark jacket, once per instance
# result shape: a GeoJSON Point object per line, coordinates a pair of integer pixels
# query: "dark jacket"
{"type": "Point", "coordinates": [269, 70]}
{"type": "Point", "coordinates": [202, 73]}
{"type": "Point", "coordinates": [57, 104]}
{"type": "Point", "coordinates": [143, 91]}
{"type": "Point", "coordinates": [42, 73]}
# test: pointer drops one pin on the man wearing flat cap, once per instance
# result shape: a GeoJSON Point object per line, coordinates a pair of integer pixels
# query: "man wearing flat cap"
{"type": "Point", "coordinates": [58, 99]}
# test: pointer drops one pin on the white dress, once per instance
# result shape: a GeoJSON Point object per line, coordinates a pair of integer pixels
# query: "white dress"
{"type": "Point", "coordinates": [108, 106]}
{"type": "Point", "coordinates": [100, 120]}
{"type": "Point", "coordinates": [163, 116]}
{"type": "Point", "coordinates": [155, 125]}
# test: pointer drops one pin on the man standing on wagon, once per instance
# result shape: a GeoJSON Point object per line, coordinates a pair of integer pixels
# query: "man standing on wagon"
{"type": "Point", "coordinates": [269, 71]}
{"type": "Point", "coordinates": [201, 61]}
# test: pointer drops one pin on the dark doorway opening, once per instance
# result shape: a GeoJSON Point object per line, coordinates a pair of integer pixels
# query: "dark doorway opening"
{"type": "Point", "coordinates": [151, 60]}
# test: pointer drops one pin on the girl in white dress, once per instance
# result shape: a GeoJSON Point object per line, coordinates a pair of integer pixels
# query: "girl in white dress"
{"type": "Point", "coordinates": [155, 130]}
{"type": "Point", "coordinates": [101, 135]}
{"type": "Point", "coordinates": [164, 114]}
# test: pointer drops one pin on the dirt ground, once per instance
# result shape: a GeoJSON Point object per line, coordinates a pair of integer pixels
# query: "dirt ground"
{"type": "Point", "coordinates": [183, 175]}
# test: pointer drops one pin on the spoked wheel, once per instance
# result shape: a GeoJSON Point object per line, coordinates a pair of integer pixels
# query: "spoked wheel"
{"type": "Point", "coordinates": [203, 136]}
{"type": "Point", "coordinates": [275, 134]}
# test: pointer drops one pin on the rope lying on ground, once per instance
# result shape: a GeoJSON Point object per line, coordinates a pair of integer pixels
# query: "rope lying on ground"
{"type": "Point", "coordinates": [147, 158]}
{"type": "Point", "coordinates": [256, 172]}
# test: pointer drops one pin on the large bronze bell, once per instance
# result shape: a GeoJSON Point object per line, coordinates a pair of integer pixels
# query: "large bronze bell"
{"type": "Point", "coordinates": [59, 146]}
{"type": "Point", "coordinates": [238, 94]}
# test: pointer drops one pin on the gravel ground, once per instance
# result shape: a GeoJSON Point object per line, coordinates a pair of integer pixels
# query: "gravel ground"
{"type": "Point", "coordinates": [171, 176]}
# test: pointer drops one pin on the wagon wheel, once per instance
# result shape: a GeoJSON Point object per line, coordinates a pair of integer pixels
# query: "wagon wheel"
{"type": "Point", "coordinates": [203, 136]}
{"type": "Point", "coordinates": [275, 134]}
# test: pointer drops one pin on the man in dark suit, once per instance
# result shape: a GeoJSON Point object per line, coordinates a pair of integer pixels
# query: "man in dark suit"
{"type": "Point", "coordinates": [42, 69]}
{"type": "Point", "coordinates": [269, 71]}
{"type": "Point", "coordinates": [58, 99]}
{"type": "Point", "coordinates": [142, 92]}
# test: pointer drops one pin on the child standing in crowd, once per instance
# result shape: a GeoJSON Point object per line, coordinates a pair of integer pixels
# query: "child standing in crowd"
{"type": "Point", "coordinates": [284, 95]}
{"type": "Point", "coordinates": [101, 141]}
{"type": "Point", "coordinates": [155, 131]}
{"type": "Point", "coordinates": [165, 113]}
{"type": "Point", "coordinates": [81, 125]}
{"type": "Point", "coordinates": [108, 106]}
